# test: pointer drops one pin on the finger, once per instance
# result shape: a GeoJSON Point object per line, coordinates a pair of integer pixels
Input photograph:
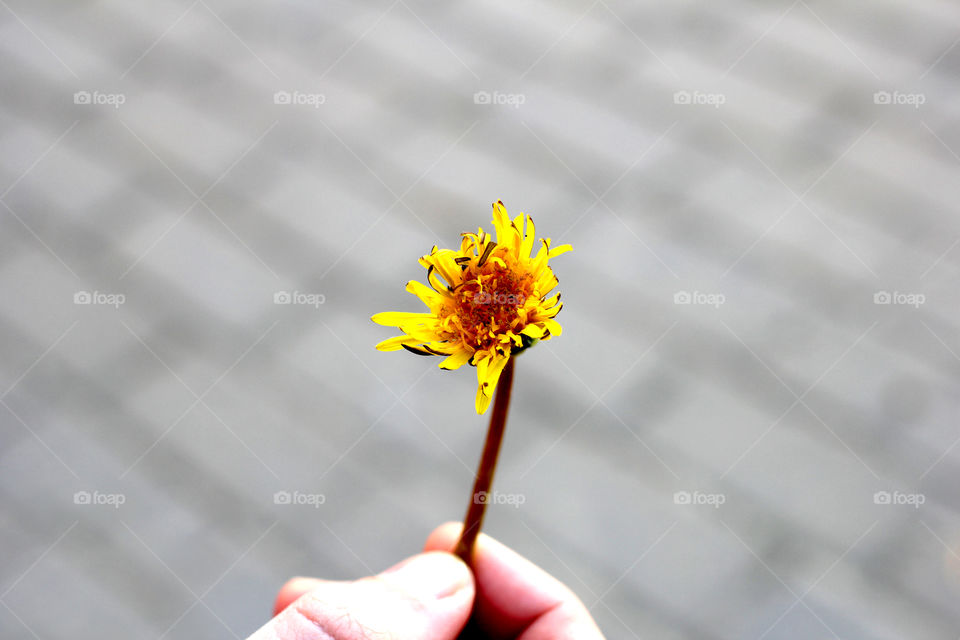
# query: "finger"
{"type": "Point", "coordinates": [428, 596]}
{"type": "Point", "coordinates": [293, 589]}
{"type": "Point", "coordinates": [299, 585]}
{"type": "Point", "coordinates": [516, 598]}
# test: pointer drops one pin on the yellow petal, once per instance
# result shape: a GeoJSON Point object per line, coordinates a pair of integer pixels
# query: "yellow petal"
{"type": "Point", "coordinates": [436, 280]}
{"type": "Point", "coordinates": [546, 282]}
{"type": "Point", "coordinates": [532, 331]}
{"type": "Point", "coordinates": [550, 302]}
{"type": "Point", "coordinates": [483, 401]}
{"type": "Point", "coordinates": [489, 368]}
{"type": "Point", "coordinates": [429, 297]}
{"type": "Point", "coordinates": [507, 233]}
{"type": "Point", "coordinates": [457, 360]}
{"type": "Point", "coordinates": [527, 245]}
{"type": "Point", "coordinates": [516, 234]}
{"type": "Point", "coordinates": [421, 333]}
{"type": "Point", "coordinates": [501, 221]}
{"type": "Point", "coordinates": [552, 326]}
{"type": "Point", "coordinates": [425, 260]}
{"type": "Point", "coordinates": [448, 268]}
{"type": "Point", "coordinates": [481, 360]}
{"type": "Point", "coordinates": [494, 369]}
{"type": "Point", "coordinates": [395, 344]}
{"type": "Point", "coordinates": [396, 318]}
{"type": "Point", "coordinates": [556, 251]}
{"type": "Point", "coordinates": [551, 312]}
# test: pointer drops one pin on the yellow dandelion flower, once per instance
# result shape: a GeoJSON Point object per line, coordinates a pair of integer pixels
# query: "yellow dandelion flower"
{"type": "Point", "coordinates": [488, 301]}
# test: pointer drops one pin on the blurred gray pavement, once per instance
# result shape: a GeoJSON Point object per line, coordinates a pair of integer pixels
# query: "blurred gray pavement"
{"type": "Point", "coordinates": [748, 429]}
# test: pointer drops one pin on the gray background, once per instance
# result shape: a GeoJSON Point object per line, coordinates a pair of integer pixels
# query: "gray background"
{"type": "Point", "coordinates": [797, 196]}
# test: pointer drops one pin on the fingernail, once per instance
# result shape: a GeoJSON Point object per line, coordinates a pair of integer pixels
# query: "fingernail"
{"type": "Point", "coordinates": [429, 575]}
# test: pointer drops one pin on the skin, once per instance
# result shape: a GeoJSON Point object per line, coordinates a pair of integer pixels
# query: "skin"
{"type": "Point", "coordinates": [430, 596]}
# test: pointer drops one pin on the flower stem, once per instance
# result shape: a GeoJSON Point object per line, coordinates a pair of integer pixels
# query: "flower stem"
{"type": "Point", "coordinates": [488, 463]}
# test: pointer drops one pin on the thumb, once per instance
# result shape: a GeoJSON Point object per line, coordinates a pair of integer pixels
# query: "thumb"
{"type": "Point", "coordinates": [429, 595]}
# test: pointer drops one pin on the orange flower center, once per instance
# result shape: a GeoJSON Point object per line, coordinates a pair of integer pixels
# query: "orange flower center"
{"type": "Point", "coordinates": [489, 303]}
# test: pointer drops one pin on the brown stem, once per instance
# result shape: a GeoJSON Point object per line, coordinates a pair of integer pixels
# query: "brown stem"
{"type": "Point", "coordinates": [488, 463]}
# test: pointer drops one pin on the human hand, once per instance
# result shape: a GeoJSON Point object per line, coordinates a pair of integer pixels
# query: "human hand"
{"type": "Point", "coordinates": [430, 596]}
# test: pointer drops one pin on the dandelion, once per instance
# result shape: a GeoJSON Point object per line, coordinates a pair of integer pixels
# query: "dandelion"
{"type": "Point", "coordinates": [487, 302]}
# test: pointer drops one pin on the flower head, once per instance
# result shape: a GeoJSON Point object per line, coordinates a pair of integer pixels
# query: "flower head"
{"type": "Point", "coordinates": [488, 301]}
